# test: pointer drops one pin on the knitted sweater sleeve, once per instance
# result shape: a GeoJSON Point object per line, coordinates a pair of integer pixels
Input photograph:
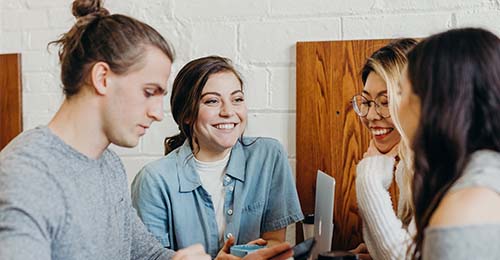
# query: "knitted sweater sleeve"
{"type": "Point", "coordinates": [383, 231]}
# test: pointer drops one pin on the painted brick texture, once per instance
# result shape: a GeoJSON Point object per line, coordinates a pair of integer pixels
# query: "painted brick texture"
{"type": "Point", "coordinates": [258, 35]}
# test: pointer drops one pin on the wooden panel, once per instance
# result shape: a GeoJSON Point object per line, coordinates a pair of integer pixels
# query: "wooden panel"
{"type": "Point", "coordinates": [10, 98]}
{"type": "Point", "coordinates": [330, 135]}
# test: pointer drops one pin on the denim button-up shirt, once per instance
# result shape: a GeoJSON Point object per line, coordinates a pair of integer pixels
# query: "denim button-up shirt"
{"type": "Point", "coordinates": [260, 196]}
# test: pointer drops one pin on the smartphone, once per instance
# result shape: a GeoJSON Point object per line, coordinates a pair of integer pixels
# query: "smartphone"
{"type": "Point", "coordinates": [303, 250]}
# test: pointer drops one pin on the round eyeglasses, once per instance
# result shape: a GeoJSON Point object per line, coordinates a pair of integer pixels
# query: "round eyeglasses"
{"type": "Point", "coordinates": [362, 105]}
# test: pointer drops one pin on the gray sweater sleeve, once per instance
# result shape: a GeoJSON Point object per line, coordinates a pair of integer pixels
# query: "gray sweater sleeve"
{"type": "Point", "coordinates": [55, 203]}
{"type": "Point", "coordinates": [144, 245]}
{"type": "Point", "coordinates": [467, 242]}
{"type": "Point", "coordinates": [32, 213]}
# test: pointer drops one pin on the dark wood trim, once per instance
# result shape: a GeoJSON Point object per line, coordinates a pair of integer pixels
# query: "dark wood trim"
{"type": "Point", "coordinates": [11, 114]}
{"type": "Point", "coordinates": [330, 136]}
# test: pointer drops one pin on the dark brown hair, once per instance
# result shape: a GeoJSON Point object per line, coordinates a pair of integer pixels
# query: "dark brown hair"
{"type": "Point", "coordinates": [456, 75]}
{"type": "Point", "coordinates": [116, 39]}
{"type": "Point", "coordinates": [186, 95]}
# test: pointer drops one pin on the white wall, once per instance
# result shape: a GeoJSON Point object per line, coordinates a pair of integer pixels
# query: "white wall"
{"type": "Point", "coordinates": [259, 35]}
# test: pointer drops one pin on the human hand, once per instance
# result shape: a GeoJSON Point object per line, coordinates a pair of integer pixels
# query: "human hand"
{"type": "Point", "coordinates": [224, 253]}
{"type": "Point", "coordinates": [258, 241]}
{"type": "Point", "coordinates": [193, 252]}
{"type": "Point", "coordinates": [373, 151]}
{"type": "Point", "coordinates": [280, 251]}
{"type": "Point", "coordinates": [362, 251]}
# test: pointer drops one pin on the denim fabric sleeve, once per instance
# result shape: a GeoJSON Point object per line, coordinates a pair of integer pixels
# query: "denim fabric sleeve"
{"type": "Point", "coordinates": [148, 197]}
{"type": "Point", "coordinates": [283, 207]}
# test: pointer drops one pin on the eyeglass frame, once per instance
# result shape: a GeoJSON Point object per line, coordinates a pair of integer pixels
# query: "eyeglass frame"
{"type": "Point", "coordinates": [370, 101]}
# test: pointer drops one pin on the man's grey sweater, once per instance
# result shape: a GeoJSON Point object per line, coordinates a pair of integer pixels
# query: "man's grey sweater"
{"type": "Point", "coordinates": [56, 203]}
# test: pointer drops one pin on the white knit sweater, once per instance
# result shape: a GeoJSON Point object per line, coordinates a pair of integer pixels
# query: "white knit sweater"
{"type": "Point", "coordinates": [383, 231]}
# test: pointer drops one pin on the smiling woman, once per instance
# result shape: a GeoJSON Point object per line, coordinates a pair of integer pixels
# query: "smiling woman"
{"type": "Point", "coordinates": [222, 116]}
{"type": "Point", "coordinates": [386, 234]}
{"type": "Point", "coordinates": [214, 183]}
{"type": "Point", "coordinates": [378, 120]}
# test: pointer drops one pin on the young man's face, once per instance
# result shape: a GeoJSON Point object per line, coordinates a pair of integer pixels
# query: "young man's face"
{"type": "Point", "coordinates": [135, 99]}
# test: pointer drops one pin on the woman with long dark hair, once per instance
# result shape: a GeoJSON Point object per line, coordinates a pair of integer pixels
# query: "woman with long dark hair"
{"type": "Point", "coordinates": [450, 111]}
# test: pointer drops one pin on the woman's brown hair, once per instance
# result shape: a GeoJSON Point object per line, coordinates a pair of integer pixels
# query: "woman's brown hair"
{"type": "Point", "coordinates": [456, 76]}
{"type": "Point", "coordinates": [96, 36]}
{"type": "Point", "coordinates": [186, 95]}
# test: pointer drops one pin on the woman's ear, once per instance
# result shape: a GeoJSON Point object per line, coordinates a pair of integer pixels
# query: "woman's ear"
{"type": "Point", "coordinates": [100, 77]}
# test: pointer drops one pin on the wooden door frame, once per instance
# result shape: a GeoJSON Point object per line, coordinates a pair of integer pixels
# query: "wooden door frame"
{"type": "Point", "coordinates": [11, 123]}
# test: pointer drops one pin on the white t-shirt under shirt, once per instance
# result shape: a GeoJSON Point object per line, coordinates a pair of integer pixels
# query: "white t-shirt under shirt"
{"type": "Point", "coordinates": [211, 176]}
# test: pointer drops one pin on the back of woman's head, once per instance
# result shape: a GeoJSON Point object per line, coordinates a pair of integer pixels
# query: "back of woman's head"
{"type": "Point", "coordinates": [186, 95]}
{"type": "Point", "coordinates": [97, 36]}
{"type": "Point", "coordinates": [456, 75]}
{"type": "Point", "coordinates": [389, 62]}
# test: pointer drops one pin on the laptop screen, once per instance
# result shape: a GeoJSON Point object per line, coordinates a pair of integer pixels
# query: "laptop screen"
{"type": "Point", "coordinates": [323, 213]}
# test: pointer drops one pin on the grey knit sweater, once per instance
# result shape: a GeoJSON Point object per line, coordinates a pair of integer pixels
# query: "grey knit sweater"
{"type": "Point", "coordinates": [56, 203]}
{"type": "Point", "coordinates": [469, 241]}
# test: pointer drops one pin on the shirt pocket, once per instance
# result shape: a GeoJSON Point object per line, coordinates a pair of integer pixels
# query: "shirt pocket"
{"type": "Point", "coordinates": [255, 208]}
{"type": "Point", "coordinates": [251, 222]}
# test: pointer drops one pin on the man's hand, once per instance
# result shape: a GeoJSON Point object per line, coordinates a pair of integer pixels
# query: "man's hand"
{"type": "Point", "coordinates": [193, 252]}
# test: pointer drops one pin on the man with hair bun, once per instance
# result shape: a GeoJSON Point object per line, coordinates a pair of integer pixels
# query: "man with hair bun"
{"type": "Point", "coordinates": [63, 193]}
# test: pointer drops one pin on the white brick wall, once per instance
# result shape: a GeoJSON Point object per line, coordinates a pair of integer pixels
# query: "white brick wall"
{"type": "Point", "coordinates": [273, 42]}
{"type": "Point", "coordinates": [259, 35]}
{"type": "Point", "coordinates": [394, 25]}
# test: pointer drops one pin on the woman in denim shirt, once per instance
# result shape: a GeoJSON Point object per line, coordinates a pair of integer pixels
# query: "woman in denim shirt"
{"type": "Point", "coordinates": [214, 183]}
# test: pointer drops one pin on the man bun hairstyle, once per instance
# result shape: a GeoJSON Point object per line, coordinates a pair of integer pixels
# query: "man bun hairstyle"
{"type": "Point", "coordinates": [98, 36]}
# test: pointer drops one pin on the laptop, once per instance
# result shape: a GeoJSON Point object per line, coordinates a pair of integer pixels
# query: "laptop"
{"type": "Point", "coordinates": [323, 213]}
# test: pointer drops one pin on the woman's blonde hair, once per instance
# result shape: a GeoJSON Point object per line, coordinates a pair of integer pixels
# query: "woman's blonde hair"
{"type": "Point", "coordinates": [389, 62]}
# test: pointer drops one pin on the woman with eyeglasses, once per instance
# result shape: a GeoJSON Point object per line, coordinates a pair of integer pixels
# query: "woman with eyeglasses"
{"type": "Point", "coordinates": [386, 233]}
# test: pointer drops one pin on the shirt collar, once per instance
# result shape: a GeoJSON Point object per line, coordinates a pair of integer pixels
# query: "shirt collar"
{"type": "Point", "coordinates": [189, 179]}
{"type": "Point", "coordinates": [237, 162]}
{"type": "Point", "coordinates": [186, 173]}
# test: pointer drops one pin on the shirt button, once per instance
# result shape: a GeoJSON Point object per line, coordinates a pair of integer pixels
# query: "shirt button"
{"type": "Point", "coordinates": [230, 212]}
{"type": "Point", "coordinates": [231, 188]}
{"type": "Point", "coordinates": [227, 178]}
{"type": "Point", "coordinates": [229, 235]}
